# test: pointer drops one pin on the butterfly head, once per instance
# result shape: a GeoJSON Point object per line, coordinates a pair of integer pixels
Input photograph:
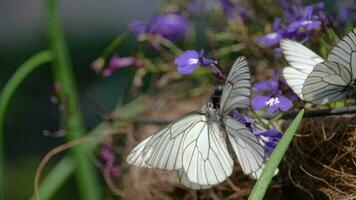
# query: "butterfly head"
{"type": "Point", "coordinates": [210, 111]}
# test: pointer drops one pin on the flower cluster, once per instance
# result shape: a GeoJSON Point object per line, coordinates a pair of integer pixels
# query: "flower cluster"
{"type": "Point", "coordinates": [300, 24]}
{"type": "Point", "coordinates": [117, 62]}
{"type": "Point", "coordinates": [274, 100]}
{"type": "Point", "coordinates": [108, 160]}
{"type": "Point", "coordinates": [171, 26]}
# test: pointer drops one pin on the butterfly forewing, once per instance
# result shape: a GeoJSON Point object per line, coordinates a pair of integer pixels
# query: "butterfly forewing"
{"type": "Point", "coordinates": [136, 157]}
{"type": "Point", "coordinates": [302, 61]}
{"type": "Point", "coordinates": [237, 89]}
{"type": "Point", "coordinates": [246, 146]}
{"type": "Point", "coordinates": [344, 52]}
{"type": "Point", "coordinates": [164, 149]}
{"type": "Point", "coordinates": [206, 160]}
{"type": "Point", "coordinates": [328, 82]}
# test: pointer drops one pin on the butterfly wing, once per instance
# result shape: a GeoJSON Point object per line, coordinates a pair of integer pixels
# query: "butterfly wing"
{"type": "Point", "coordinates": [164, 149]}
{"type": "Point", "coordinates": [327, 83]}
{"type": "Point", "coordinates": [136, 157]}
{"type": "Point", "coordinates": [344, 52]}
{"type": "Point", "coordinates": [302, 61]}
{"type": "Point", "coordinates": [246, 146]}
{"type": "Point", "coordinates": [206, 160]}
{"type": "Point", "coordinates": [183, 178]}
{"type": "Point", "coordinates": [237, 89]}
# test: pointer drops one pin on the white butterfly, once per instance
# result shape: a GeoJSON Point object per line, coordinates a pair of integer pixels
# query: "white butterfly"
{"type": "Point", "coordinates": [318, 81]}
{"type": "Point", "coordinates": [196, 145]}
{"type": "Point", "coordinates": [302, 61]}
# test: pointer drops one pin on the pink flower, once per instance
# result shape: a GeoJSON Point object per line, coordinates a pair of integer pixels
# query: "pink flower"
{"type": "Point", "coordinates": [117, 62]}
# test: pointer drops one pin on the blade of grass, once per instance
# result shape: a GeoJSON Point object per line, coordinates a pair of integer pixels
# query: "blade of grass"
{"type": "Point", "coordinates": [263, 182]}
{"type": "Point", "coordinates": [15, 81]}
{"type": "Point", "coordinates": [87, 178]}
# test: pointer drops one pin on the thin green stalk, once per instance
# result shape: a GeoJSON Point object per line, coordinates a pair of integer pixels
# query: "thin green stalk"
{"type": "Point", "coordinates": [264, 180]}
{"type": "Point", "coordinates": [114, 44]}
{"type": "Point", "coordinates": [169, 45]}
{"type": "Point", "coordinates": [86, 175]}
{"type": "Point", "coordinates": [15, 81]}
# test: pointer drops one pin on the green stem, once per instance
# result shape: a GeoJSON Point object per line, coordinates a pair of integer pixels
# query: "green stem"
{"type": "Point", "coordinates": [114, 44]}
{"type": "Point", "coordinates": [86, 175]}
{"type": "Point", "coordinates": [169, 45]}
{"type": "Point", "coordinates": [264, 180]}
{"type": "Point", "coordinates": [15, 81]}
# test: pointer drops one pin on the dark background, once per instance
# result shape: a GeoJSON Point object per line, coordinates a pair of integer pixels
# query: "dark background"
{"type": "Point", "coordinates": [89, 26]}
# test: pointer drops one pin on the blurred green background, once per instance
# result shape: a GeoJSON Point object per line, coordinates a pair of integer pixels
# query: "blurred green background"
{"type": "Point", "coordinates": [89, 26]}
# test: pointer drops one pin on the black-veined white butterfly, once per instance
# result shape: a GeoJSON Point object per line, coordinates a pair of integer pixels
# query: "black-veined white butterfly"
{"type": "Point", "coordinates": [302, 61]}
{"type": "Point", "coordinates": [196, 145]}
{"type": "Point", "coordinates": [326, 81]}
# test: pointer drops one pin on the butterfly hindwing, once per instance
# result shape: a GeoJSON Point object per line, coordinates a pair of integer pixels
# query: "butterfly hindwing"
{"type": "Point", "coordinates": [328, 82]}
{"type": "Point", "coordinates": [206, 160]}
{"type": "Point", "coordinates": [246, 146]}
{"type": "Point", "coordinates": [344, 52]}
{"type": "Point", "coordinates": [186, 182]}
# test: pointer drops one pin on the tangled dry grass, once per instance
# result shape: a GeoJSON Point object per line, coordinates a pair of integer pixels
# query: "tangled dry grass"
{"type": "Point", "coordinates": [320, 163]}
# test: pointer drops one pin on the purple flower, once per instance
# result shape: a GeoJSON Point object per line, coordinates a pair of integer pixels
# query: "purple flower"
{"type": "Point", "coordinates": [300, 23]}
{"type": "Point", "coordinates": [269, 139]}
{"type": "Point", "coordinates": [187, 62]}
{"type": "Point", "coordinates": [171, 26]}
{"type": "Point", "coordinates": [274, 101]}
{"type": "Point", "coordinates": [117, 62]}
{"type": "Point", "coordinates": [309, 20]}
{"type": "Point", "coordinates": [138, 27]}
{"type": "Point", "coordinates": [305, 20]}
{"type": "Point", "coordinates": [346, 11]}
{"type": "Point", "coordinates": [270, 39]}
{"type": "Point", "coordinates": [108, 159]}
{"type": "Point", "coordinates": [273, 38]}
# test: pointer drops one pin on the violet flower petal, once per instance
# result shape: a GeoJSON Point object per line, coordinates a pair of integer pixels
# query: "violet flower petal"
{"type": "Point", "coordinates": [284, 103]}
{"type": "Point", "coordinates": [187, 62]}
{"type": "Point", "coordinates": [259, 102]}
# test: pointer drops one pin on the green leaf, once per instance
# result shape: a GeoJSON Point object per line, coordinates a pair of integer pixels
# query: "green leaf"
{"type": "Point", "coordinates": [263, 182]}
{"type": "Point", "coordinates": [6, 94]}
